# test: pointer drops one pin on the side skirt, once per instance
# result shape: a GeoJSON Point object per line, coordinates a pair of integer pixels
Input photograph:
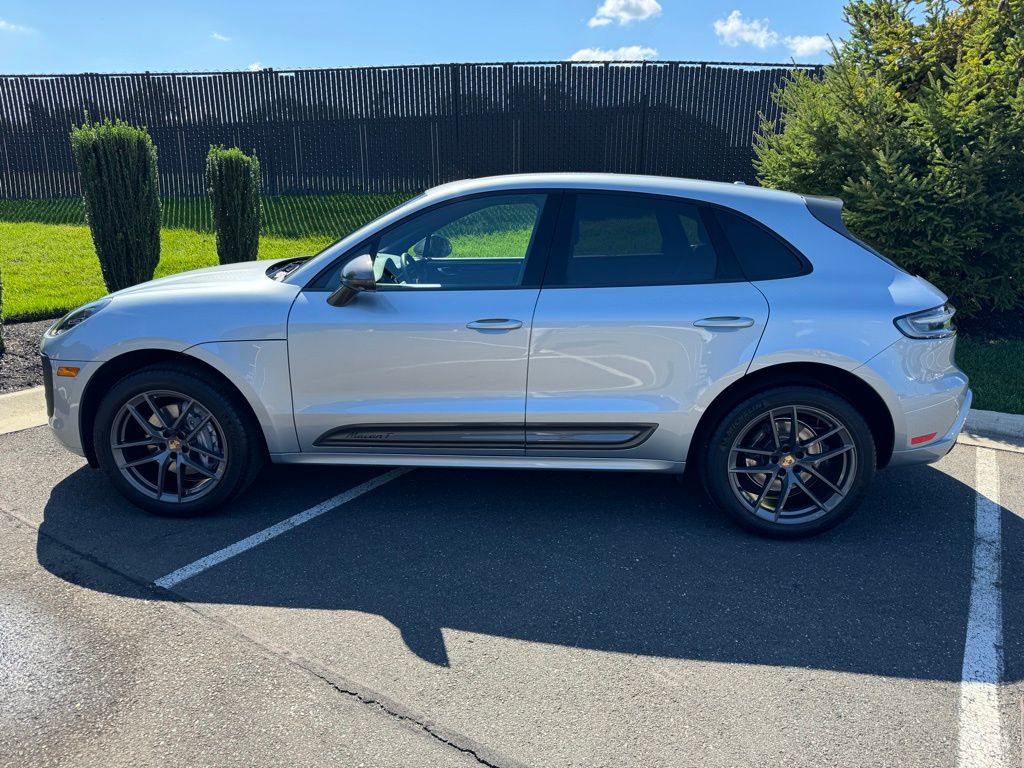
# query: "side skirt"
{"type": "Point", "coordinates": [482, 462]}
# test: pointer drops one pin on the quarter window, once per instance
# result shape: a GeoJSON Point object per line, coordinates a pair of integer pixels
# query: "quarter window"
{"type": "Point", "coordinates": [619, 240]}
{"type": "Point", "coordinates": [761, 255]}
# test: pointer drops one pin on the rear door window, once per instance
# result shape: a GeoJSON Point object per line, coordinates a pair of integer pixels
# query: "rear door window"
{"type": "Point", "coordinates": [609, 239]}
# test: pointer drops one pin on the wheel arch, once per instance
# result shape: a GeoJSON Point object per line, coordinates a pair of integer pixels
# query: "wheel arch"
{"type": "Point", "coordinates": [117, 368]}
{"type": "Point", "coordinates": [858, 392]}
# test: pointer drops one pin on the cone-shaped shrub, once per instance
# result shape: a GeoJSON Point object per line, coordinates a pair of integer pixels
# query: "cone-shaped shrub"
{"type": "Point", "coordinates": [1, 314]}
{"type": "Point", "coordinates": [233, 179]}
{"type": "Point", "coordinates": [117, 165]}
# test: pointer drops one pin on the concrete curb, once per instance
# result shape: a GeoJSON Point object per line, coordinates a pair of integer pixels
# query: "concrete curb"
{"type": "Point", "coordinates": [993, 429]}
{"type": "Point", "coordinates": [23, 409]}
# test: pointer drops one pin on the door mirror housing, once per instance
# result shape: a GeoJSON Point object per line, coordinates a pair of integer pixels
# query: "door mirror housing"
{"type": "Point", "coordinates": [433, 247]}
{"type": "Point", "coordinates": [356, 276]}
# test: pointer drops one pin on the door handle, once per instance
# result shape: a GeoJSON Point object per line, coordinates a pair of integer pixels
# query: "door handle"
{"type": "Point", "coordinates": [724, 322]}
{"type": "Point", "coordinates": [495, 324]}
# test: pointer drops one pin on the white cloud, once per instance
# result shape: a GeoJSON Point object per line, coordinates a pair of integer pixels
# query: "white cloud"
{"type": "Point", "coordinates": [808, 45]}
{"type": "Point", "coordinates": [624, 12]}
{"type": "Point", "coordinates": [219, 37]}
{"type": "Point", "coordinates": [734, 29]}
{"type": "Point", "coordinates": [625, 53]}
{"type": "Point", "coordinates": [6, 26]}
{"type": "Point", "coordinates": [256, 66]}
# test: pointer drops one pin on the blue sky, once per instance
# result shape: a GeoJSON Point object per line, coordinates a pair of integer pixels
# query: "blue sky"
{"type": "Point", "coordinates": [46, 36]}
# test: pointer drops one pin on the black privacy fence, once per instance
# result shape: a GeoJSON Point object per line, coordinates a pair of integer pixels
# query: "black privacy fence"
{"type": "Point", "coordinates": [394, 129]}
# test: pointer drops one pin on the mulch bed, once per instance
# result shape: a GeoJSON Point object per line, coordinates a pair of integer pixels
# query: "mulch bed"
{"type": "Point", "coordinates": [19, 362]}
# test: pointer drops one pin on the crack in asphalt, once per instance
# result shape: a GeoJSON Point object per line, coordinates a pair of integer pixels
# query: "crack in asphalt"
{"type": "Point", "coordinates": [174, 599]}
{"type": "Point", "coordinates": [425, 727]}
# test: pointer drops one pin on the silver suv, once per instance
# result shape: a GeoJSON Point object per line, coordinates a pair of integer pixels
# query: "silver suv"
{"type": "Point", "coordinates": [558, 321]}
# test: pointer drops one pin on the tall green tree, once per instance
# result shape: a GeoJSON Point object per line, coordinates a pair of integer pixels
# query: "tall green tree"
{"type": "Point", "coordinates": [918, 124]}
{"type": "Point", "coordinates": [117, 165]}
{"type": "Point", "coordinates": [233, 180]}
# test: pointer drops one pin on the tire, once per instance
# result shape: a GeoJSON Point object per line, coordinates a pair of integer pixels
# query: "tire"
{"type": "Point", "coordinates": [820, 480]}
{"type": "Point", "coordinates": [146, 430]}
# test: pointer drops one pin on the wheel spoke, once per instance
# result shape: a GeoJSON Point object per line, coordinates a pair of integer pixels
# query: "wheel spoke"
{"type": "Point", "coordinates": [137, 444]}
{"type": "Point", "coordinates": [818, 475]}
{"type": "Point", "coordinates": [793, 427]}
{"type": "Point", "coordinates": [775, 429]}
{"type": "Point", "coordinates": [818, 458]}
{"type": "Point", "coordinates": [754, 451]}
{"type": "Point", "coordinates": [161, 475]}
{"type": "Point", "coordinates": [179, 481]}
{"type": "Point", "coordinates": [182, 459]}
{"type": "Point", "coordinates": [819, 438]}
{"type": "Point", "coordinates": [800, 484]}
{"type": "Point", "coordinates": [765, 489]}
{"type": "Point", "coordinates": [787, 486]}
{"type": "Point", "coordinates": [145, 424]}
{"type": "Point", "coordinates": [182, 414]}
{"type": "Point", "coordinates": [206, 453]}
{"type": "Point", "coordinates": [755, 470]}
{"type": "Point", "coordinates": [156, 411]}
{"type": "Point", "coordinates": [144, 460]}
{"type": "Point", "coordinates": [202, 423]}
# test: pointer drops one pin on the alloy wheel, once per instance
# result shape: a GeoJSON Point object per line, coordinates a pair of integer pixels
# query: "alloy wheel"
{"type": "Point", "coordinates": [792, 464]}
{"type": "Point", "coordinates": [168, 446]}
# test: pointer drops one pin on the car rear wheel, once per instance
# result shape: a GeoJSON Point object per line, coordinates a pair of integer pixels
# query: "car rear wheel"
{"type": "Point", "coordinates": [173, 444]}
{"type": "Point", "coordinates": [790, 462]}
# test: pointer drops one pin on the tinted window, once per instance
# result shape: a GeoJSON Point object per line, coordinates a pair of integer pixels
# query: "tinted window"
{"type": "Point", "coordinates": [633, 240]}
{"type": "Point", "coordinates": [761, 255]}
{"type": "Point", "coordinates": [480, 243]}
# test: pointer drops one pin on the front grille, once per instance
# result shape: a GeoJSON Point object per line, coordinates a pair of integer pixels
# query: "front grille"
{"type": "Point", "coordinates": [48, 385]}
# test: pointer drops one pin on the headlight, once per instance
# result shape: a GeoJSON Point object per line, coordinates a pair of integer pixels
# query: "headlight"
{"type": "Point", "coordinates": [76, 317]}
{"type": "Point", "coordinates": [936, 323]}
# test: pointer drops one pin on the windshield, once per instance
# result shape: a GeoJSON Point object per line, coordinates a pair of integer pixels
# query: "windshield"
{"type": "Point", "coordinates": [322, 259]}
{"type": "Point", "coordinates": [313, 265]}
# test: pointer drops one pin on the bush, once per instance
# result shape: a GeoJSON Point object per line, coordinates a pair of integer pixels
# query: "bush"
{"type": "Point", "coordinates": [117, 165]}
{"type": "Point", "coordinates": [919, 126]}
{"type": "Point", "coordinates": [233, 179]}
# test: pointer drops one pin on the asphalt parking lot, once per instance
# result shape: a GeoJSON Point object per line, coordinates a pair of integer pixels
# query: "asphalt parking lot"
{"type": "Point", "coordinates": [512, 618]}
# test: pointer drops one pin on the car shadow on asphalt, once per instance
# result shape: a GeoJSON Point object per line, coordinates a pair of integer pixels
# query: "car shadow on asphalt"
{"type": "Point", "coordinates": [627, 563]}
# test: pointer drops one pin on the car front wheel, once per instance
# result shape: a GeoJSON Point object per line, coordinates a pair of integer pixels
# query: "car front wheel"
{"type": "Point", "coordinates": [789, 462]}
{"type": "Point", "coordinates": [173, 444]}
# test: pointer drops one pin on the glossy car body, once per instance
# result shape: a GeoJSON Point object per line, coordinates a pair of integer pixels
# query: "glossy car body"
{"type": "Point", "coordinates": [536, 375]}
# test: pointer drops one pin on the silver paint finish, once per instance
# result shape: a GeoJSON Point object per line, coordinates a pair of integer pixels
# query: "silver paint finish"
{"type": "Point", "coordinates": [260, 371]}
{"type": "Point", "coordinates": [408, 356]}
{"type": "Point", "coordinates": [607, 355]}
{"type": "Point", "coordinates": [636, 355]}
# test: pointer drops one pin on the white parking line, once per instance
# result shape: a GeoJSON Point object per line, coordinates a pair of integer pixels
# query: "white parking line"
{"type": "Point", "coordinates": [187, 572]}
{"type": "Point", "coordinates": [981, 741]}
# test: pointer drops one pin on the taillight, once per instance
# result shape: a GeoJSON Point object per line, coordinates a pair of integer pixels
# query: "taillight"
{"type": "Point", "coordinates": [935, 323]}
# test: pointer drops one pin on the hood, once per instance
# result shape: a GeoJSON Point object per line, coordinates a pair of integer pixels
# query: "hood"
{"type": "Point", "coordinates": [223, 277]}
{"type": "Point", "coordinates": [232, 302]}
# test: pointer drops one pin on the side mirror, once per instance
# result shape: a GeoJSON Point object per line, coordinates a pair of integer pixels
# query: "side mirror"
{"type": "Point", "coordinates": [356, 276]}
{"type": "Point", "coordinates": [433, 247]}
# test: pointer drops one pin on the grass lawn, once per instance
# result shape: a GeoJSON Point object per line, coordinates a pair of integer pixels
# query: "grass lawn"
{"type": "Point", "coordinates": [48, 263]}
{"type": "Point", "coordinates": [993, 367]}
{"type": "Point", "coordinates": [49, 269]}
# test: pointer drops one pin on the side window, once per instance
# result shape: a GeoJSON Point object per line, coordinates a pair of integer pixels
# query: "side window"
{"type": "Point", "coordinates": [478, 243]}
{"type": "Point", "coordinates": [761, 255]}
{"type": "Point", "coordinates": [617, 240]}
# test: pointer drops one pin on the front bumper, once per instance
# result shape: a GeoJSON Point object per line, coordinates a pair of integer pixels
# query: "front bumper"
{"type": "Point", "coordinates": [64, 400]}
{"type": "Point", "coordinates": [936, 449]}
